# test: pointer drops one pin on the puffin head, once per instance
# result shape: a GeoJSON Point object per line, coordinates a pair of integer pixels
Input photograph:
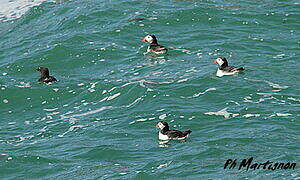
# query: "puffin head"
{"type": "Point", "coordinates": [149, 39]}
{"type": "Point", "coordinates": [44, 71]}
{"type": "Point", "coordinates": [221, 61]}
{"type": "Point", "coordinates": [162, 125]}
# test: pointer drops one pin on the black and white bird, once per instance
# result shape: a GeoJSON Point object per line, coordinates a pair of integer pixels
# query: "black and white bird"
{"type": "Point", "coordinates": [166, 134]}
{"type": "Point", "coordinates": [45, 77]}
{"type": "Point", "coordinates": [224, 69]}
{"type": "Point", "coordinates": [154, 47]}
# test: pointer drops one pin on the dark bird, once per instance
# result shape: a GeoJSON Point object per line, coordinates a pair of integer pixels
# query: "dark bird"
{"type": "Point", "coordinates": [154, 46]}
{"type": "Point", "coordinates": [166, 134]}
{"type": "Point", "coordinates": [224, 69]}
{"type": "Point", "coordinates": [137, 19]}
{"type": "Point", "coordinates": [45, 77]}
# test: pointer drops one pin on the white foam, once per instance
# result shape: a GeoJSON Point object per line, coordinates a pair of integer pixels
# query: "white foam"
{"type": "Point", "coordinates": [191, 118]}
{"type": "Point", "coordinates": [280, 114]}
{"type": "Point", "coordinates": [71, 129]}
{"type": "Point", "coordinates": [209, 89]}
{"type": "Point", "coordinates": [135, 101]}
{"type": "Point", "coordinates": [182, 50]}
{"type": "Point", "coordinates": [164, 165]}
{"type": "Point", "coordinates": [104, 99]}
{"type": "Point", "coordinates": [143, 119]}
{"type": "Point", "coordinates": [23, 84]}
{"type": "Point", "coordinates": [273, 85]}
{"type": "Point", "coordinates": [10, 10]}
{"type": "Point", "coordinates": [112, 89]}
{"type": "Point", "coordinates": [266, 94]}
{"type": "Point", "coordinates": [163, 116]}
{"type": "Point", "coordinates": [279, 56]}
{"type": "Point", "coordinates": [50, 109]}
{"type": "Point", "coordinates": [200, 93]}
{"type": "Point", "coordinates": [113, 96]}
{"type": "Point", "coordinates": [251, 115]}
{"type": "Point", "coordinates": [277, 86]}
{"type": "Point", "coordinates": [222, 112]}
{"type": "Point", "coordinates": [283, 114]}
{"type": "Point", "coordinates": [182, 80]}
{"type": "Point", "coordinates": [93, 111]}
{"type": "Point", "coordinates": [126, 84]}
{"type": "Point", "coordinates": [91, 90]}
{"type": "Point", "coordinates": [193, 69]}
{"type": "Point", "coordinates": [53, 113]}
{"type": "Point", "coordinates": [294, 99]}
{"type": "Point", "coordinates": [75, 126]}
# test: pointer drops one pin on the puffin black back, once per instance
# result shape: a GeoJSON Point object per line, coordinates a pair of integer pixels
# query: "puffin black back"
{"type": "Point", "coordinates": [154, 47]}
{"type": "Point", "coordinates": [45, 75]}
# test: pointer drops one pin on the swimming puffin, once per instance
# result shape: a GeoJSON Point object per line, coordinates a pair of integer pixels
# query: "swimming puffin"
{"type": "Point", "coordinates": [224, 69]}
{"type": "Point", "coordinates": [45, 77]}
{"type": "Point", "coordinates": [154, 46]}
{"type": "Point", "coordinates": [166, 134]}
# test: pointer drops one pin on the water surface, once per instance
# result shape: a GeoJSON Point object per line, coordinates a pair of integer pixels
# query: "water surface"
{"type": "Point", "coordinates": [98, 121]}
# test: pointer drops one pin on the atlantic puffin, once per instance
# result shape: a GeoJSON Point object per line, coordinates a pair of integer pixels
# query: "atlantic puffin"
{"type": "Point", "coordinates": [154, 46]}
{"type": "Point", "coordinates": [45, 77]}
{"type": "Point", "coordinates": [224, 69]}
{"type": "Point", "coordinates": [166, 134]}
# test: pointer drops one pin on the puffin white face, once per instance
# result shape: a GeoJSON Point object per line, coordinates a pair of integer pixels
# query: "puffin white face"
{"type": "Point", "coordinates": [160, 125]}
{"type": "Point", "coordinates": [219, 61]}
{"type": "Point", "coordinates": [148, 39]}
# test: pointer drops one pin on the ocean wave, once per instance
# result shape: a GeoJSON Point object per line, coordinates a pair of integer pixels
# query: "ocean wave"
{"type": "Point", "coordinates": [10, 10]}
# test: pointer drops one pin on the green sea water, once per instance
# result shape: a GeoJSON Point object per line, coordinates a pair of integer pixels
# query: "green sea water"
{"type": "Point", "coordinates": [98, 121]}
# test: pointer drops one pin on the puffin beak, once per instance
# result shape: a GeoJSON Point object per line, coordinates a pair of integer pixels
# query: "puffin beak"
{"type": "Point", "coordinates": [215, 62]}
{"type": "Point", "coordinates": [143, 40]}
